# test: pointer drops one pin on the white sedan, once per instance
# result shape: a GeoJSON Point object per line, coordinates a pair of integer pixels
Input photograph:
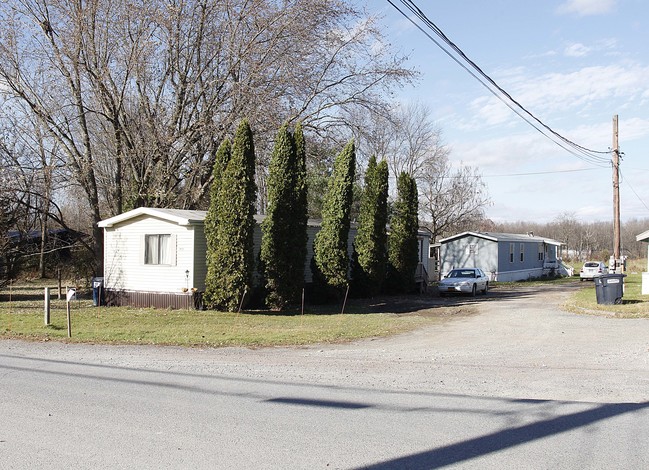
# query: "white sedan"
{"type": "Point", "coordinates": [592, 269]}
{"type": "Point", "coordinates": [464, 281]}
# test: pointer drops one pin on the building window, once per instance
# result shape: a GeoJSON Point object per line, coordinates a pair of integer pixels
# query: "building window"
{"type": "Point", "coordinates": [541, 252]}
{"type": "Point", "coordinates": [511, 252]}
{"type": "Point", "coordinates": [522, 252]}
{"type": "Point", "coordinates": [157, 249]}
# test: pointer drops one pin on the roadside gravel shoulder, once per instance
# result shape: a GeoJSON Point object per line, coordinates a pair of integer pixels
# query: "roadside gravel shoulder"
{"type": "Point", "coordinates": [515, 343]}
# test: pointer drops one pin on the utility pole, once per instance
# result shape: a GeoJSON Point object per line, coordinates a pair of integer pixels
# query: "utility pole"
{"type": "Point", "coordinates": [616, 195]}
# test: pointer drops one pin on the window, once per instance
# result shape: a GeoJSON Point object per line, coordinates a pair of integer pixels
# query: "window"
{"type": "Point", "coordinates": [157, 249]}
{"type": "Point", "coordinates": [522, 251]}
{"type": "Point", "coordinates": [541, 256]}
{"type": "Point", "coordinates": [511, 252]}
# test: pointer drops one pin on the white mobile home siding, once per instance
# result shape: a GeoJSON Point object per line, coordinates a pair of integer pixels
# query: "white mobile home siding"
{"type": "Point", "coordinates": [132, 282]}
{"type": "Point", "coordinates": [124, 256]}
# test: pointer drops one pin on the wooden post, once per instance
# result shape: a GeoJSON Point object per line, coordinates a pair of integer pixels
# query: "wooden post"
{"type": "Point", "coordinates": [302, 313]}
{"type": "Point", "coordinates": [245, 291]}
{"type": "Point", "coordinates": [616, 195]}
{"type": "Point", "coordinates": [58, 277]}
{"type": "Point", "coordinates": [616, 191]}
{"type": "Point", "coordinates": [69, 297]}
{"type": "Point", "coordinates": [47, 306]}
{"type": "Point", "coordinates": [11, 283]}
{"type": "Point", "coordinates": [345, 301]}
{"type": "Point", "coordinates": [67, 308]}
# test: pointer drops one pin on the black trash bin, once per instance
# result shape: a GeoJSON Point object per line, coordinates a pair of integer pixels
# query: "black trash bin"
{"type": "Point", "coordinates": [609, 288]}
{"type": "Point", "coordinates": [97, 291]}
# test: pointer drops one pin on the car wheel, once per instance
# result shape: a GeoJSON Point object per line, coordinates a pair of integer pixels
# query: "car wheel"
{"type": "Point", "coordinates": [473, 290]}
{"type": "Point", "coordinates": [486, 288]}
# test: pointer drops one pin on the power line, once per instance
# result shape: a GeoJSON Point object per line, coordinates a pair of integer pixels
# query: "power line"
{"type": "Point", "coordinates": [540, 173]}
{"type": "Point", "coordinates": [634, 192]}
{"type": "Point", "coordinates": [504, 175]}
{"type": "Point", "coordinates": [583, 153]}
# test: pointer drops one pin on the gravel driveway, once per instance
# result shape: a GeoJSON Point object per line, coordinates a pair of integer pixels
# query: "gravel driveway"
{"type": "Point", "coordinates": [520, 344]}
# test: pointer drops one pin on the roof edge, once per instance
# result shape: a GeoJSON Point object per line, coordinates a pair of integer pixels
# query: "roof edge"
{"type": "Point", "coordinates": [161, 214]}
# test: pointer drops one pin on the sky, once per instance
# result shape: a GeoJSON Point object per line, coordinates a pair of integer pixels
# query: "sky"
{"type": "Point", "coordinates": [574, 64]}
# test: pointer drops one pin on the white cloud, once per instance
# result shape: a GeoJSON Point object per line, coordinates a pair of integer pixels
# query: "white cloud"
{"type": "Point", "coordinates": [578, 91]}
{"type": "Point", "coordinates": [548, 53]}
{"type": "Point", "coordinates": [586, 7]}
{"type": "Point", "coordinates": [634, 128]}
{"type": "Point", "coordinates": [509, 154]}
{"type": "Point", "coordinates": [576, 50]}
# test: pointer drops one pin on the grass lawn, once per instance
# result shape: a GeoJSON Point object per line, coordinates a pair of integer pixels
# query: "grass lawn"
{"type": "Point", "coordinates": [22, 316]}
{"type": "Point", "coordinates": [634, 304]}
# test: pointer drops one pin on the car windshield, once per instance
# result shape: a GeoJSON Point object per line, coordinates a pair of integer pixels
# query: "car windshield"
{"type": "Point", "coordinates": [462, 273]}
{"type": "Point", "coordinates": [591, 265]}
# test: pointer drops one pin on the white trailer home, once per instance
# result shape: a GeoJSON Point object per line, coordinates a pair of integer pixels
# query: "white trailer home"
{"type": "Point", "coordinates": [157, 257]}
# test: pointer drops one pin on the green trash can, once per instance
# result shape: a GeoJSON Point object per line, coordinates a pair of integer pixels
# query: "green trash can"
{"type": "Point", "coordinates": [609, 288]}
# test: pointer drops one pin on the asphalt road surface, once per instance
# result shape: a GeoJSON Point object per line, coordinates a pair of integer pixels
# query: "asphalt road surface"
{"type": "Point", "coordinates": [521, 384]}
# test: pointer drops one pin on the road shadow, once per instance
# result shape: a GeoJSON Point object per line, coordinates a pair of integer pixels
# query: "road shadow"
{"type": "Point", "coordinates": [511, 437]}
{"type": "Point", "coordinates": [437, 457]}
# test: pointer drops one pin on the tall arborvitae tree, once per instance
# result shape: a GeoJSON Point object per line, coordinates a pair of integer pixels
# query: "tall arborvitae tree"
{"type": "Point", "coordinates": [300, 214]}
{"type": "Point", "coordinates": [330, 245]}
{"type": "Point", "coordinates": [370, 244]}
{"type": "Point", "coordinates": [221, 160]}
{"type": "Point", "coordinates": [402, 241]}
{"type": "Point", "coordinates": [277, 243]}
{"type": "Point", "coordinates": [231, 254]}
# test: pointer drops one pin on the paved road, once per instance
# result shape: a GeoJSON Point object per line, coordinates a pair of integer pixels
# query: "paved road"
{"type": "Point", "coordinates": [520, 385]}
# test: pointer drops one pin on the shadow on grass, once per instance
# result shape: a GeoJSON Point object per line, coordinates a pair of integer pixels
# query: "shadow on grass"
{"type": "Point", "coordinates": [55, 327]}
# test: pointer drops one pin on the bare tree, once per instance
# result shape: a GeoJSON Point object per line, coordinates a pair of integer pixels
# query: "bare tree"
{"type": "Point", "coordinates": [405, 136]}
{"type": "Point", "coordinates": [450, 199]}
{"type": "Point", "coordinates": [584, 240]}
{"type": "Point", "coordinates": [16, 221]}
{"type": "Point", "coordinates": [138, 94]}
{"type": "Point", "coordinates": [565, 228]}
{"type": "Point", "coordinates": [33, 155]}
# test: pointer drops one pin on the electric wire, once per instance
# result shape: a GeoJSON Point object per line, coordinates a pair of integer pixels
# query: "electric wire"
{"type": "Point", "coordinates": [505, 175]}
{"type": "Point", "coordinates": [624, 180]}
{"type": "Point", "coordinates": [414, 9]}
{"type": "Point", "coordinates": [591, 156]}
{"type": "Point", "coordinates": [540, 173]}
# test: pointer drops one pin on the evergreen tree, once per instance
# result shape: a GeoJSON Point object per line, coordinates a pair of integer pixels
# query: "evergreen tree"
{"type": "Point", "coordinates": [277, 245]}
{"type": "Point", "coordinates": [231, 254]}
{"type": "Point", "coordinates": [330, 246]}
{"type": "Point", "coordinates": [402, 241]}
{"type": "Point", "coordinates": [300, 214]}
{"type": "Point", "coordinates": [370, 245]}
{"type": "Point", "coordinates": [220, 162]}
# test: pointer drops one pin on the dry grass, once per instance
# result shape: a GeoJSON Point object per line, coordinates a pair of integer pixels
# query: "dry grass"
{"type": "Point", "coordinates": [634, 304]}
{"type": "Point", "coordinates": [22, 316]}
